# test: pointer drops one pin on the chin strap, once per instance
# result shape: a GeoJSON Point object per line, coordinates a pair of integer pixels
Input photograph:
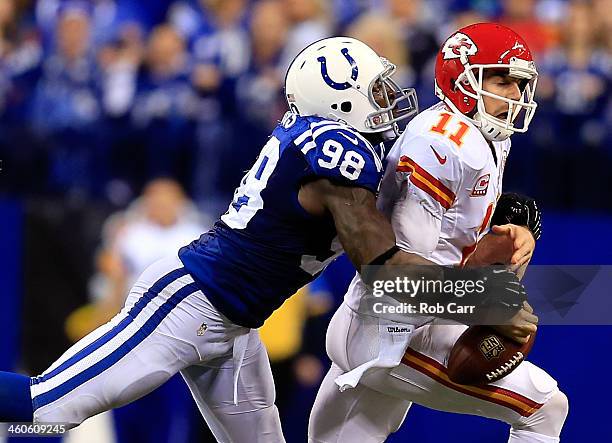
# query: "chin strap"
{"type": "Point", "coordinates": [491, 131]}
{"type": "Point", "coordinates": [389, 134]}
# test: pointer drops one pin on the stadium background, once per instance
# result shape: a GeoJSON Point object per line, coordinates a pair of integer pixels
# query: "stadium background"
{"type": "Point", "coordinates": [98, 98]}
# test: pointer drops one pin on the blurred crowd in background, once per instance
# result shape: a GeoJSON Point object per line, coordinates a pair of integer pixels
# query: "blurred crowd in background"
{"type": "Point", "coordinates": [126, 125]}
{"type": "Point", "coordinates": [98, 97]}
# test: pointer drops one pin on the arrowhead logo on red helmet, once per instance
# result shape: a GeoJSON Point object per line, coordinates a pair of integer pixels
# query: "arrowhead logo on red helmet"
{"type": "Point", "coordinates": [452, 47]}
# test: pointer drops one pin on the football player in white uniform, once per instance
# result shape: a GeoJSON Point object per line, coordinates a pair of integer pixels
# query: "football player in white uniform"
{"type": "Point", "coordinates": [440, 188]}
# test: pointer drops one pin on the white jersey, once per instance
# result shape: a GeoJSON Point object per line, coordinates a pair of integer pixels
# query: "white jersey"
{"type": "Point", "coordinates": [440, 187]}
{"type": "Point", "coordinates": [439, 190]}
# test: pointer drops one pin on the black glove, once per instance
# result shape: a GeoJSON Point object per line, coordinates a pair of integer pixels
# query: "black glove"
{"type": "Point", "coordinates": [503, 297]}
{"type": "Point", "coordinates": [519, 210]}
{"type": "Point", "coordinates": [502, 288]}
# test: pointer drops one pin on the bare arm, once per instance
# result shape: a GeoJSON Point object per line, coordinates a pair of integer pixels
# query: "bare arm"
{"type": "Point", "coordinates": [365, 233]}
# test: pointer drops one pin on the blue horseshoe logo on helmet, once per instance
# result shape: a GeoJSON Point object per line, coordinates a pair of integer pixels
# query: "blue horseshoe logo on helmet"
{"type": "Point", "coordinates": [354, 71]}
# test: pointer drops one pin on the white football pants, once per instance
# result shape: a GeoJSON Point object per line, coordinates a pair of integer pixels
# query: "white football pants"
{"type": "Point", "coordinates": [166, 326]}
{"type": "Point", "coordinates": [528, 399]}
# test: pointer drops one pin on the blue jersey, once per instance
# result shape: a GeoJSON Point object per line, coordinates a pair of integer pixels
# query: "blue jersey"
{"type": "Point", "coordinates": [266, 246]}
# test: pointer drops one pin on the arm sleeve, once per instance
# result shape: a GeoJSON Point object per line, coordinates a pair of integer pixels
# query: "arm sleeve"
{"type": "Point", "coordinates": [342, 156]}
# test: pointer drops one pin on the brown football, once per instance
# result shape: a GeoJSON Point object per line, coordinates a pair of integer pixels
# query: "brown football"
{"type": "Point", "coordinates": [481, 355]}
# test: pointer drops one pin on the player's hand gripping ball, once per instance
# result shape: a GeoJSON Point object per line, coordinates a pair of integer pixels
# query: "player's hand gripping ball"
{"type": "Point", "coordinates": [481, 355]}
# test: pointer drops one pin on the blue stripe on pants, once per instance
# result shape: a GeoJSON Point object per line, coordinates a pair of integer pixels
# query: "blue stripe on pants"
{"type": "Point", "coordinates": [151, 293]}
{"type": "Point", "coordinates": [139, 336]}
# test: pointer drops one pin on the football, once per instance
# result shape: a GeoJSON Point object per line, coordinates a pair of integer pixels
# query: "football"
{"type": "Point", "coordinates": [481, 355]}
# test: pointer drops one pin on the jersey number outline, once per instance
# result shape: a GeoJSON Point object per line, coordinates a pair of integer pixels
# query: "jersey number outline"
{"type": "Point", "coordinates": [247, 197]}
{"type": "Point", "coordinates": [351, 159]}
{"type": "Point", "coordinates": [457, 136]}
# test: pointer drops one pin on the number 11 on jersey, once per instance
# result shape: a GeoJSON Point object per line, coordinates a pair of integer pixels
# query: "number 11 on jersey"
{"type": "Point", "coordinates": [457, 136]}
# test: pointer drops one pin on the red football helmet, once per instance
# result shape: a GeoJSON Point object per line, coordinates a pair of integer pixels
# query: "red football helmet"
{"type": "Point", "coordinates": [460, 69]}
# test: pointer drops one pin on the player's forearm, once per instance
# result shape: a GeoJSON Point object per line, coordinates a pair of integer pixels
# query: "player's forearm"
{"type": "Point", "coordinates": [363, 231]}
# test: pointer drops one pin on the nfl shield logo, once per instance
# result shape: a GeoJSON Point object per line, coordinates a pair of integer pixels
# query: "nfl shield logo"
{"type": "Point", "coordinates": [491, 347]}
{"type": "Point", "coordinates": [202, 329]}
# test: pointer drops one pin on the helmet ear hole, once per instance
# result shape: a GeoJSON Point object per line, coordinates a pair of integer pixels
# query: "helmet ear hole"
{"type": "Point", "coordinates": [346, 106]}
{"type": "Point", "coordinates": [334, 106]}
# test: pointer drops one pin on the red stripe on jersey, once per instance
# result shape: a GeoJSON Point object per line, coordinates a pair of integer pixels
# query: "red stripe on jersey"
{"type": "Point", "coordinates": [426, 182]}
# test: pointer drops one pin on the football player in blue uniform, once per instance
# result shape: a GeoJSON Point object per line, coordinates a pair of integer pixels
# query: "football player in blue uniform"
{"type": "Point", "coordinates": [309, 195]}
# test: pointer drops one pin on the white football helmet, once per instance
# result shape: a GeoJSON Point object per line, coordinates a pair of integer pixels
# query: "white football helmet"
{"type": "Point", "coordinates": [343, 79]}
